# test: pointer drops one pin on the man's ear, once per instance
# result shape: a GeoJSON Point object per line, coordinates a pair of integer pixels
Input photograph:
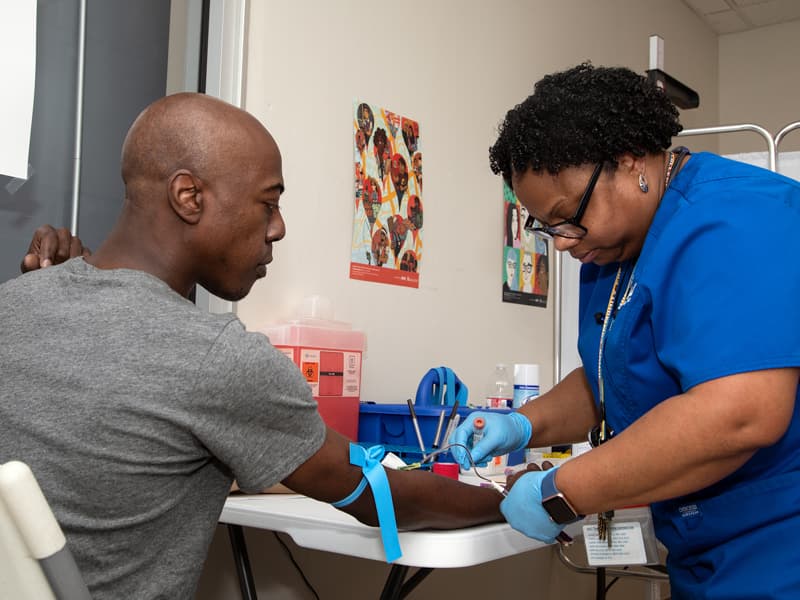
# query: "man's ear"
{"type": "Point", "coordinates": [185, 193]}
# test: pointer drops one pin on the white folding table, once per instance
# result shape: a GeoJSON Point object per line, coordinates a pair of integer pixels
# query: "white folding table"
{"type": "Point", "coordinates": [319, 526]}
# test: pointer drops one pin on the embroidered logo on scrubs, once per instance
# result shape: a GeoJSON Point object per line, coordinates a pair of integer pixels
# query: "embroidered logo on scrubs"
{"type": "Point", "coordinates": [688, 510]}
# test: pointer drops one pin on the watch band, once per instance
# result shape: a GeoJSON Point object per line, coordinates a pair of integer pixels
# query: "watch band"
{"type": "Point", "coordinates": [555, 503]}
{"type": "Point", "coordinates": [549, 485]}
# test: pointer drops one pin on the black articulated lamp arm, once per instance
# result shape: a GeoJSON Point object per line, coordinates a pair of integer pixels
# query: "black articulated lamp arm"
{"type": "Point", "coordinates": [682, 95]}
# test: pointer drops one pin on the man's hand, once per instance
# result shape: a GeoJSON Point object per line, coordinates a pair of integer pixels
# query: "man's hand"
{"type": "Point", "coordinates": [512, 478]}
{"type": "Point", "coordinates": [51, 246]}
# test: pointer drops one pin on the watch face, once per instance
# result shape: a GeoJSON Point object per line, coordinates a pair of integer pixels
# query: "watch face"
{"type": "Point", "coordinates": [559, 510]}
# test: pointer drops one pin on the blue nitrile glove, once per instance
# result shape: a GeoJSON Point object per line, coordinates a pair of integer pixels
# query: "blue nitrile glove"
{"type": "Point", "coordinates": [503, 433]}
{"type": "Point", "coordinates": [523, 509]}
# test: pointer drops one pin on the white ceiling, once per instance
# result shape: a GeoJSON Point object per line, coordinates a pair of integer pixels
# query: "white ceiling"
{"type": "Point", "coordinates": [733, 16]}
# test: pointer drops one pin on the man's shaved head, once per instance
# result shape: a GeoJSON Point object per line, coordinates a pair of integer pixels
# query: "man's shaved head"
{"type": "Point", "coordinates": [183, 131]}
{"type": "Point", "coordinates": [203, 180]}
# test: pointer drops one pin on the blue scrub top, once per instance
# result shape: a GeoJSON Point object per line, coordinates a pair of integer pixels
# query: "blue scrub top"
{"type": "Point", "coordinates": [715, 291]}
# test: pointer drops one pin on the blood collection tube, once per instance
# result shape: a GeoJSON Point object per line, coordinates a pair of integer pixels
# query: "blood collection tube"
{"type": "Point", "coordinates": [477, 430]}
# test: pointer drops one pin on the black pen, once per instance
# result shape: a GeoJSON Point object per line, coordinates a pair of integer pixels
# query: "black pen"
{"type": "Point", "coordinates": [416, 427]}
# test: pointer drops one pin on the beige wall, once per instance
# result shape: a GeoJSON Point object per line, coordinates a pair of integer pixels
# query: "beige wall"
{"type": "Point", "coordinates": [759, 82]}
{"type": "Point", "coordinates": [456, 66]}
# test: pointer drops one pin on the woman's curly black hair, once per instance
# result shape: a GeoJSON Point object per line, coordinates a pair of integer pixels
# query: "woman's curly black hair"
{"type": "Point", "coordinates": [585, 114]}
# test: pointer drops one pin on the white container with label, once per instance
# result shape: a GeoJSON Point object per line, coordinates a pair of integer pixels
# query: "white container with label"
{"type": "Point", "coordinates": [526, 383]}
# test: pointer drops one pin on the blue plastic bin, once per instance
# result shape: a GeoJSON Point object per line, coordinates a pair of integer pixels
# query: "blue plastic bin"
{"type": "Point", "coordinates": [391, 426]}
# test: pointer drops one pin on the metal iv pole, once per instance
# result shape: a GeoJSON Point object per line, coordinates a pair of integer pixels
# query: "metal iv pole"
{"type": "Point", "coordinates": [76, 169]}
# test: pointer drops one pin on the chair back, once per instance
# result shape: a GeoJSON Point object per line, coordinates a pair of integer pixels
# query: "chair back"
{"type": "Point", "coordinates": [35, 563]}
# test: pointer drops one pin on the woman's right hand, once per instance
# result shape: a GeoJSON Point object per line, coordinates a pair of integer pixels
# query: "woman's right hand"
{"type": "Point", "coordinates": [502, 433]}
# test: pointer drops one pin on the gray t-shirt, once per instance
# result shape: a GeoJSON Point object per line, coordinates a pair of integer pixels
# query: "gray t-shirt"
{"type": "Point", "coordinates": [135, 410]}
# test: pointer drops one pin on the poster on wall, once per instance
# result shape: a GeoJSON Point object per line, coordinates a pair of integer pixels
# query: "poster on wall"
{"type": "Point", "coordinates": [387, 207]}
{"type": "Point", "coordinates": [526, 270]}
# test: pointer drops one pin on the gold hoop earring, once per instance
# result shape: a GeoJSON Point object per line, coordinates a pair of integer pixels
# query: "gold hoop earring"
{"type": "Point", "coordinates": [643, 183]}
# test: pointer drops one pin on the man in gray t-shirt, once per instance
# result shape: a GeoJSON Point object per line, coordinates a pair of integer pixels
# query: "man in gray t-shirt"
{"type": "Point", "coordinates": [119, 387]}
{"type": "Point", "coordinates": [135, 410]}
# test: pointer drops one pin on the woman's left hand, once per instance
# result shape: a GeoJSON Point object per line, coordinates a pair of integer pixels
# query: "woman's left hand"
{"type": "Point", "coordinates": [523, 509]}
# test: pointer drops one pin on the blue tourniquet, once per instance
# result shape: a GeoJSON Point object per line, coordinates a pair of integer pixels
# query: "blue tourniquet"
{"type": "Point", "coordinates": [370, 462]}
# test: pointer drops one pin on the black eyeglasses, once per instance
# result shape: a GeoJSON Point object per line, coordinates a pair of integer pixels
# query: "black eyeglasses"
{"type": "Point", "coordinates": [571, 228]}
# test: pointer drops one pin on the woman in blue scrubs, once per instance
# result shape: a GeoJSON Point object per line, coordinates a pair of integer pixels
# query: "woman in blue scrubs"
{"type": "Point", "coordinates": [690, 376]}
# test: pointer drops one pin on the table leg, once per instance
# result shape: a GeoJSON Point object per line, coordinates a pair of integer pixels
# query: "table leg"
{"type": "Point", "coordinates": [394, 583]}
{"type": "Point", "coordinates": [414, 581]}
{"type": "Point", "coordinates": [396, 587]}
{"type": "Point", "coordinates": [242, 562]}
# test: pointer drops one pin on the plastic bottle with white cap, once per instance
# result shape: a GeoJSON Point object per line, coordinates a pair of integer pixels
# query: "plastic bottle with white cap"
{"type": "Point", "coordinates": [500, 390]}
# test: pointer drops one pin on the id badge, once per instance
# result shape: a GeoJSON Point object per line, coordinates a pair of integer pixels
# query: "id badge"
{"type": "Point", "coordinates": [633, 539]}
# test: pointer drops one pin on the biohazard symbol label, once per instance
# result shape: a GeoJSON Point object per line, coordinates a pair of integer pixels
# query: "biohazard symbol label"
{"type": "Point", "coordinates": [311, 371]}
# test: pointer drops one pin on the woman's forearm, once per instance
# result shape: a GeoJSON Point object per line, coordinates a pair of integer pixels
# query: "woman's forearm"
{"type": "Point", "coordinates": [563, 415]}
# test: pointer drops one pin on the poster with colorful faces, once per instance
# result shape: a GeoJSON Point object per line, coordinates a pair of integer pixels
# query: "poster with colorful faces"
{"type": "Point", "coordinates": [526, 270]}
{"type": "Point", "coordinates": [387, 203]}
